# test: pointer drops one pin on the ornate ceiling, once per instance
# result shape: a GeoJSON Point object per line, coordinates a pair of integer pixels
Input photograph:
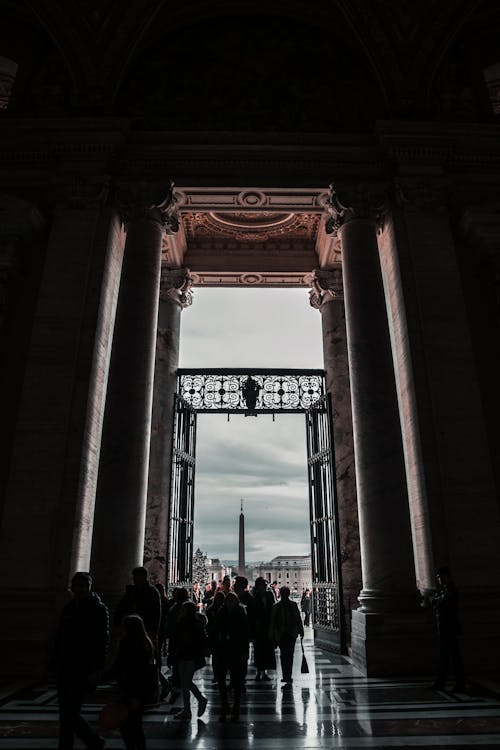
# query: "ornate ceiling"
{"type": "Point", "coordinates": [263, 246]}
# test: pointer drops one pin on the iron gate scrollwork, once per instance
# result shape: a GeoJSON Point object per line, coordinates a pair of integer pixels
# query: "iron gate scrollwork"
{"type": "Point", "coordinates": [259, 391]}
{"type": "Point", "coordinates": [180, 542]}
{"type": "Point", "coordinates": [325, 560]}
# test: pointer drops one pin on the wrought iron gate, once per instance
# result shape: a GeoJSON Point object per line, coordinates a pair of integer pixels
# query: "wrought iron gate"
{"type": "Point", "coordinates": [325, 560]}
{"type": "Point", "coordinates": [255, 392]}
{"type": "Point", "coordinates": [180, 539]}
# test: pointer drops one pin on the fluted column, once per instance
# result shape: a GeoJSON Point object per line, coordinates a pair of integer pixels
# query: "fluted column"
{"type": "Point", "coordinates": [119, 522]}
{"type": "Point", "coordinates": [175, 295]}
{"type": "Point", "coordinates": [327, 296]}
{"type": "Point", "coordinates": [389, 586]}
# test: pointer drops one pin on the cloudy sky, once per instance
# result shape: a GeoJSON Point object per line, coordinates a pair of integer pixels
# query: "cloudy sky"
{"type": "Point", "coordinates": [253, 458]}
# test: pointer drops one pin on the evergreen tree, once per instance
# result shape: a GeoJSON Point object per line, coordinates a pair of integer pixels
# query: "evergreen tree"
{"type": "Point", "coordinates": [200, 568]}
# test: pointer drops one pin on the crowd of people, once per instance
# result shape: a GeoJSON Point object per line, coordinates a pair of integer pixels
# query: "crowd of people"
{"type": "Point", "coordinates": [184, 629]}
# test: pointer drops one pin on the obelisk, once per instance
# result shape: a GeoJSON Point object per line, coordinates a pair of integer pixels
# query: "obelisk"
{"type": "Point", "coordinates": [241, 549]}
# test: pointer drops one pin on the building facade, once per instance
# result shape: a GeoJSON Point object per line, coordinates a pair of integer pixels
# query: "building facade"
{"type": "Point", "coordinates": [357, 156]}
{"type": "Point", "coordinates": [293, 571]}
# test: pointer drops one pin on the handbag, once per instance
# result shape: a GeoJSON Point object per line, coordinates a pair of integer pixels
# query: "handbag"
{"type": "Point", "coordinates": [113, 716]}
{"type": "Point", "coordinates": [304, 667]}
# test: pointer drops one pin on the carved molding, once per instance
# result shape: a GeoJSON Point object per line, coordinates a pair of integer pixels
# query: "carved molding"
{"type": "Point", "coordinates": [176, 286]}
{"type": "Point", "coordinates": [248, 279]}
{"type": "Point", "coordinates": [148, 201]}
{"type": "Point", "coordinates": [346, 202]}
{"type": "Point", "coordinates": [222, 200]}
{"type": "Point", "coordinates": [326, 285]}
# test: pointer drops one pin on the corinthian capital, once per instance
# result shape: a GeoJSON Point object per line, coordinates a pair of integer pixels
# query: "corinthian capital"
{"type": "Point", "coordinates": [326, 285]}
{"type": "Point", "coordinates": [176, 286]}
{"type": "Point", "coordinates": [354, 201]}
{"type": "Point", "coordinates": [147, 201]}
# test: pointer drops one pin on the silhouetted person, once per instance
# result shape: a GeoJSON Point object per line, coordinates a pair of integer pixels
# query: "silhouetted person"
{"type": "Point", "coordinates": [137, 675]}
{"type": "Point", "coordinates": [445, 605]}
{"type": "Point", "coordinates": [210, 592]}
{"type": "Point", "coordinates": [231, 641]}
{"type": "Point", "coordinates": [79, 653]}
{"type": "Point", "coordinates": [286, 625]}
{"type": "Point", "coordinates": [191, 645]}
{"type": "Point", "coordinates": [143, 599]}
{"type": "Point", "coordinates": [240, 588]}
{"type": "Point", "coordinates": [162, 638]}
{"type": "Point", "coordinates": [305, 606]}
{"type": "Point", "coordinates": [211, 614]}
{"type": "Point", "coordinates": [274, 589]}
{"type": "Point", "coordinates": [180, 595]}
{"type": "Point", "coordinates": [263, 648]}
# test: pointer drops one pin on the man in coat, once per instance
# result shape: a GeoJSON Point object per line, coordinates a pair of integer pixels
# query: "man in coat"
{"type": "Point", "coordinates": [286, 625]}
{"type": "Point", "coordinates": [79, 653]}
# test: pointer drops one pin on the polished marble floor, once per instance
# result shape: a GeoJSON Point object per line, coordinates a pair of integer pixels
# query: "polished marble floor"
{"type": "Point", "coordinates": [333, 706]}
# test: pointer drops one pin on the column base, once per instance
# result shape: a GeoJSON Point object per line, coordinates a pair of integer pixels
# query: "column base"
{"type": "Point", "coordinates": [391, 644]}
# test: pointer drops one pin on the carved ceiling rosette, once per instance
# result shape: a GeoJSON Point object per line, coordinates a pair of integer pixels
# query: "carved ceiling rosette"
{"type": "Point", "coordinates": [346, 202]}
{"type": "Point", "coordinates": [326, 285]}
{"type": "Point", "coordinates": [148, 201]}
{"type": "Point", "coordinates": [176, 286]}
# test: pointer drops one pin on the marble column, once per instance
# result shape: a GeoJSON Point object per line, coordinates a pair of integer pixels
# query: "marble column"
{"type": "Point", "coordinates": [175, 295]}
{"type": "Point", "coordinates": [384, 624]}
{"type": "Point", "coordinates": [119, 521]}
{"type": "Point", "coordinates": [327, 296]}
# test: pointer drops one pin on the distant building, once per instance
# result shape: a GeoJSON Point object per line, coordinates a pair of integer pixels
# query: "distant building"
{"type": "Point", "coordinates": [218, 569]}
{"type": "Point", "coordinates": [293, 571]}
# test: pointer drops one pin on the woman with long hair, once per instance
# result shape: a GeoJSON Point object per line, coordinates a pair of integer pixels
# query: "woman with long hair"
{"type": "Point", "coordinates": [137, 676]}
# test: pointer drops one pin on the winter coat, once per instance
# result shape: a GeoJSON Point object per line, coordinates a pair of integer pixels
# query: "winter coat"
{"type": "Point", "coordinates": [285, 620]}
{"type": "Point", "coordinates": [144, 601]}
{"type": "Point", "coordinates": [231, 633]}
{"type": "Point", "coordinates": [82, 636]}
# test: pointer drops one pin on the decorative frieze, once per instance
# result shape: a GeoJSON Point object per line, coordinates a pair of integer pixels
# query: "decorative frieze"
{"type": "Point", "coordinates": [175, 285]}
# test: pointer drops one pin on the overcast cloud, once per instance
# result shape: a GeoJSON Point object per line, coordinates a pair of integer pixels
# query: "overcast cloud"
{"type": "Point", "coordinates": [253, 458]}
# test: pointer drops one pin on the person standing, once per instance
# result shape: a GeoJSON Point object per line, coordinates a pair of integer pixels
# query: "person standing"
{"type": "Point", "coordinates": [305, 606]}
{"type": "Point", "coordinates": [79, 652]}
{"type": "Point", "coordinates": [445, 604]}
{"type": "Point", "coordinates": [285, 626]}
{"type": "Point", "coordinates": [263, 649]}
{"type": "Point", "coordinates": [143, 599]}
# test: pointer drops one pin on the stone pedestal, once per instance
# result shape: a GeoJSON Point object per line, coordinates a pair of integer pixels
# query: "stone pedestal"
{"type": "Point", "coordinates": [119, 523]}
{"type": "Point", "coordinates": [175, 295]}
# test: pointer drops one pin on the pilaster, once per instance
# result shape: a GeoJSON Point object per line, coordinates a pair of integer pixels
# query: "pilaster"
{"type": "Point", "coordinates": [327, 296]}
{"type": "Point", "coordinates": [389, 598]}
{"type": "Point", "coordinates": [121, 501]}
{"type": "Point", "coordinates": [55, 453]}
{"type": "Point", "coordinates": [175, 295]}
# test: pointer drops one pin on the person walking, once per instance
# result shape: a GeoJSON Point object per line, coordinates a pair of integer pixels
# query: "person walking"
{"type": "Point", "coordinates": [305, 606]}
{"type": "Point", "coordinates": [143, 599]}
{"type": "Point", "coordinates": [191, 646]}
{"type": "Point", "coordinates": [263, 648]}
{"type": "Point", "coordinates": [231, 643]}
{"type": "Point", "coordinates": [285, 626]}
{"type": "Point", "coordinates": [79, 652]}
{"type": "Point", "coordinates": [211, 613]}
{"type": "Point", "coordinates": [136, 672]}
